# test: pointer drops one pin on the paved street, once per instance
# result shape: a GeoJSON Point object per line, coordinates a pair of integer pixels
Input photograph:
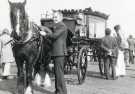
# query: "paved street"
{"type": "Point", "coordinates": [94, 84]}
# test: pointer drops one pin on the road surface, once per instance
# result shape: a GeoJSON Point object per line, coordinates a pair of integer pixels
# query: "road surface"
{"type": "Point", "coordinates": [94, 84]}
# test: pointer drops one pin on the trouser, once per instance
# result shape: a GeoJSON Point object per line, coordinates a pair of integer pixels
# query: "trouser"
{"type": "Point", "coordinates": [131, 58]}
{"type": "Point", "coordinates": [59, 75]}
{"type": "Point", "coordinates": [101, 66]}
{"type": "Point", "coordinates": [110, 63]}
{"type": "Point", "coordinates": [126, 56]}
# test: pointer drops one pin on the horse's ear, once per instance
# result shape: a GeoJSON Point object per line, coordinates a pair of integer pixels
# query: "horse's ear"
{"type": "Point", "coordinates": [9, 2]}
{"type": "Point", "coordinates": [24, 3]}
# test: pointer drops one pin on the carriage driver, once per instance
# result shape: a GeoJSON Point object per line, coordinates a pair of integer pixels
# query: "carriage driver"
{"type": "Point", "coordinates": [59, 51]}
{"type": "Point", "coordinates": [79, 25]}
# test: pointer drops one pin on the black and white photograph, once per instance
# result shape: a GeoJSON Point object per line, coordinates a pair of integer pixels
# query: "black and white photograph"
{"type": "Point", "coordinates": [67, 47]}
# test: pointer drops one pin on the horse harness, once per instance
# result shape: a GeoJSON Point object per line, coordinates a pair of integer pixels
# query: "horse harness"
{"type": "Point", "coordinates": [37, 37]}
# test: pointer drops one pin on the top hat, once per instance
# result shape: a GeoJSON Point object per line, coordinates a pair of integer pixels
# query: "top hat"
{"type": "Point", "coordinates": [79, 16]}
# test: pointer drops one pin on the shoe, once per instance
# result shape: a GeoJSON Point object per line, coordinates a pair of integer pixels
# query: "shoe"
{"type": "Point", "coordinates": [122, 75]}
{"type": "Point", "coordinates": [115, 78]}
{"type": "Point", "coordinates": [102, 76]}
{"type": "Point", "coordinates": [11, 77]}
{"type": "Point", "coordinates": [127, 65]}
{"type": "Point", "coordinates": [56, 93]}
{"type": "Point", "coordinates": [108, 78]}
{"type": "Point", "coordinates": [4, 77]}
{"type": "Point", "coordinates": [1, 80]}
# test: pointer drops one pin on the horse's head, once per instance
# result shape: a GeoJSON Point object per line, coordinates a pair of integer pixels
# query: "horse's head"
{"type": "Point", "coordinates": [19, 18]}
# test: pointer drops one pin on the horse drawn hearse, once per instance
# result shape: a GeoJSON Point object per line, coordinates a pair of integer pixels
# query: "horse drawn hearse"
{"type": "Point", "coordinates": [30, 51]}
{"type": "Point", "coordinates": [82, 47]}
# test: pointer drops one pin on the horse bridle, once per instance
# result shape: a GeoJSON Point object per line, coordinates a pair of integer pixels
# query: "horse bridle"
{"type": "Point", "coordinates": [40, 38]}
{"type": "Point", "coordinates": [15, 41]}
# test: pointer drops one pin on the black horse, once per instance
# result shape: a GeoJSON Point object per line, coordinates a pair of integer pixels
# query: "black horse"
{"type": "Point", "coordinates": [28, 47]}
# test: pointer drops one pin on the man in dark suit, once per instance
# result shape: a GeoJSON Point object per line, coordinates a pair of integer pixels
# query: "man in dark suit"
{"type": "Point", "coordinates": [59, 51]}
{"type": "Point", "coordinates": [109, 44]}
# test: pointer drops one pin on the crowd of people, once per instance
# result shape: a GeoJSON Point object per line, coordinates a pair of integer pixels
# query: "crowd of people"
{"type": "Point", "coordinates": [119, 53]}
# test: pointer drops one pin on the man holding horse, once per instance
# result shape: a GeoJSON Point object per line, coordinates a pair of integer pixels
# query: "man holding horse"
{"type": "Point", "coordinates": [59, 51]}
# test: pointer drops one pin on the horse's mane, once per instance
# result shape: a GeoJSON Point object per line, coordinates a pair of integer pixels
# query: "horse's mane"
{"type": "Point", "coordinates": [23, 16]}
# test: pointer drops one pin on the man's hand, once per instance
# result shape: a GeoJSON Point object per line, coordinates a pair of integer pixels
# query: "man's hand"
{"type": "Point", "coordinates": [109, 52]}
{"type": "Point", "coordinates": [43, 33]}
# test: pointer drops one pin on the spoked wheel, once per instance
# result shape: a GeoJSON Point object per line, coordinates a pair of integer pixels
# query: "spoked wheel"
{"type": "Point", "coordinates": [82, 65]}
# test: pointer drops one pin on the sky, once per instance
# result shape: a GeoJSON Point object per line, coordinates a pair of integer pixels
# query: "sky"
{"type": "Point", "coordinates": [120, 11]}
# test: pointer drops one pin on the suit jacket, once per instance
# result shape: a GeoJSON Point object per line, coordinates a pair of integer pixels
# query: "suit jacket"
{"type": "Point", "coordinates": [59, 37]}
{"type": "Point", "coordinates": [118, 39]}
{"type": "Point", "coordinates": [110, 43]}
{"type": "Point", "coordinates": [131, 43]}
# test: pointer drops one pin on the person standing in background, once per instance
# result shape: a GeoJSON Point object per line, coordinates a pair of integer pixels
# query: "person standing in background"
{"type": "Point", "coordinates": [79, 26]}
{"type": "Point", "coordinates": [120, 66]}
{"type": "Point", "coordinates": [0, 53]}
{"type": "Point", "coordinates": [126, 54]}
{"type": "Point", "coordinates": [134, 51]}
{"type": "Point", "coordinates": [6, 53]}
{"type": "Point", "coordinates": [131, 43]}
{"type": "Point", "coordinates": [109, 44]}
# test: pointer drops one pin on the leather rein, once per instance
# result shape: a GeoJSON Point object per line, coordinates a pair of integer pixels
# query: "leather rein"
{"type": "Point", "coordinates": [30, 36]}
{"type": "Point", "coordinates": [31, 39]}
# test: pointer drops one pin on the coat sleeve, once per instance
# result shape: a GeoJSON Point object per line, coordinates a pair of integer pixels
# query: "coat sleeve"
{"type": "Point", "coordinates": [134, 44]}
{"type": "Point", "coordinates": [115, 43]}
{"type": "Point", "coordinates": [46, 29]}
{"type": "Point", "coordinates": [0, 46]}
{"type": "Point", "coordinates": [103, 45]}
{"type": "Point", "coordinates": [59, 32]}
{"type": "Point", "coordinates": [119, 39]}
